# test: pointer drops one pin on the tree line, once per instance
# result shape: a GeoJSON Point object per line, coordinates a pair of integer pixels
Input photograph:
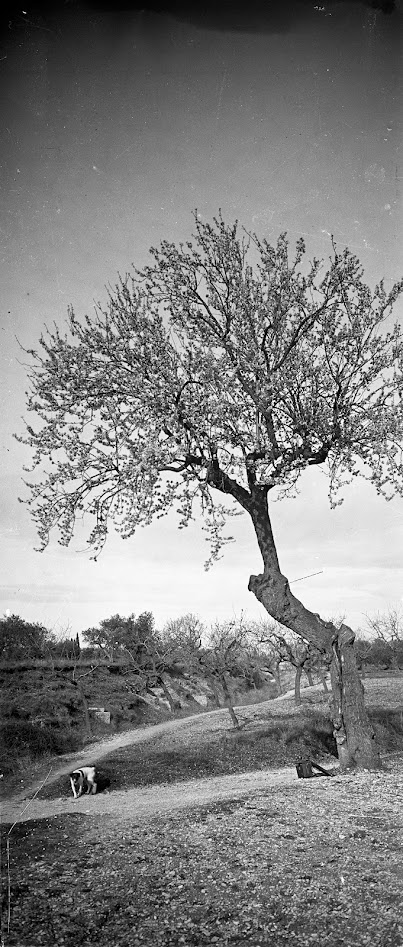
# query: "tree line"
{"type": "Point", "coordinates": [251, 653]}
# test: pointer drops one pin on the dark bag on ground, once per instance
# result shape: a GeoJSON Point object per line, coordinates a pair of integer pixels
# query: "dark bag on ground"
{"type": "Point", "coordinates": [305, 769]}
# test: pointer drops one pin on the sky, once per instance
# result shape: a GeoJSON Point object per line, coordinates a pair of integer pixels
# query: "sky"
{"type": "Point", "coordinates": [116, 123]}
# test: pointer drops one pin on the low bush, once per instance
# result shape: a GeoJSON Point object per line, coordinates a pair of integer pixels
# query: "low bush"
{"type": "Point", "coordinates": [312, 733]}
{"type": "Point", "coordinates": [388, 726]}
{"type": "Point", "coordinates": [20, 739]}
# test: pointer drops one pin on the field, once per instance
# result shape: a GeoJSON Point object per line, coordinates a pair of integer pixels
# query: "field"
{"type": "Point", "coordinates": [205, 840]}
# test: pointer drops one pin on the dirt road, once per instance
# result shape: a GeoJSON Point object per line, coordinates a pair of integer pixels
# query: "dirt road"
{"type": "Point", "coordinates": [145, 802]}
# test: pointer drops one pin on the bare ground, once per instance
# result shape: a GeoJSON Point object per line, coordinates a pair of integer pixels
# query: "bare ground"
{"type": "Point", "coordinates": [251, 861]}
{"type": "Point", "coordinates": [136, 803]}
{"type": "Point", "coordinates": [257, 859]}
{"type": "Point", "coordinates": [133, 803]}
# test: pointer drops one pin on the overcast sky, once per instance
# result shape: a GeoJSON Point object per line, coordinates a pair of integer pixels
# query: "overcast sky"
{"type": "Point", "coordinates": [115, 126]}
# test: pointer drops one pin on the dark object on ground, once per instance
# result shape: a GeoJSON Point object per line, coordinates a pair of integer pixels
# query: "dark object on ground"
{"type": "Point", "coordinates": [103, 781]}
{"type": "Point", "coordinates": [305, 767]}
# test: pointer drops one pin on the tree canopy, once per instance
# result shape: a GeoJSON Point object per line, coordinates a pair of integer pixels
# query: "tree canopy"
{"type": "Point", "coordinates": [20, 639]}
{"type": "Point", "coordinates": [222, 366]}
{"type": "Point", "coordinates": [116, 636]}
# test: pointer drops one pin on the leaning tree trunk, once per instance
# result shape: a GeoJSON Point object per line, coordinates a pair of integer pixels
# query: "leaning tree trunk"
{"type": "Point", "coordinates": [172, 703]}
{"type": "Point", "coordinates": [352, 728]}
{"type": "Point", "coordinates": [213, 684]}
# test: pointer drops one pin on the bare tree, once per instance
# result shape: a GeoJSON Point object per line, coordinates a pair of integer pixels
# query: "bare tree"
{"type": "Point", "coordinates": [288, 649]}
{"type": "Point", "coordinates": [388, 628]}
{"type": "Point", "coordinates": [219, 654]}
{"type": "Point", "coordinates": [226, 658]}
{"type": "Point", "coordinates": [219, 373]}
{"type": "Point", "coordinates": [268, 657]}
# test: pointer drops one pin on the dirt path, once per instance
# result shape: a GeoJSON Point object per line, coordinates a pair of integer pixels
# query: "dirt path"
{"type": "Point", "coordinates": [94, 752]}
{"type": "Point", "coordinates": [145, 802]}
{"type": "Point", "coordinates": [138, 804]}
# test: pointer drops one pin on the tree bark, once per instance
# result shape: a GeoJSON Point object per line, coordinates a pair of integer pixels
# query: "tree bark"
{"type": "Point", "coordinates": [354, 735]}
{"type": "Point", "coordinates": [277, 678]}
{"type": "Point", "coordinates": [324, 682]}
{"type": "Point", "coordinates": [229, 700]}
{"type": "Point", "coordinates": [213, 684]}
{"type": "Point", "coordinates": [352, 728]}
{"type": "Point", "coordinates": [172, 703]}
{"type": "Point", "coordinates": [297, 684]}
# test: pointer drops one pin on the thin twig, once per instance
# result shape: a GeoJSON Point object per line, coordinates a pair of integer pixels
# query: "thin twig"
{"type": "Point", "coordinates": [8, 847]}
{"type": "Point", "coordinates": [306, 576]}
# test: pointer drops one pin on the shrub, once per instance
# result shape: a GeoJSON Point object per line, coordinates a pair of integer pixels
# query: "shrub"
{"type": "Point", "coordinates": [312, 733]}
{"type": "Point", "coordinates": [29, 739]}
{"type": "Point", "coordinates": [388, 726]}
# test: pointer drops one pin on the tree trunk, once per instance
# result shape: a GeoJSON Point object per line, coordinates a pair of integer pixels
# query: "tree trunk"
{"type": "Point", "coordinates": [297, 685]}
{"type": "Point", "coordinates": [354, 735]}
{"type": "Point", "coordinates": [353, 731]}
{"type": "Point", "coordinates": [324, 682]}
{"type": "Point", "coordinates": [229, 701]}
{"type": "Point", "coordinates": [277, 678]}
{"type": "Point", "coordinates": [84, 701]}
{"type": "Point", "coordinates": [213, 684]}
{"type": "Point", "coordinates": [394, 664]}
{"type": "Point", "coordinates": [172, 703]}
{"type": "Point", "coordinates": [309, 675]}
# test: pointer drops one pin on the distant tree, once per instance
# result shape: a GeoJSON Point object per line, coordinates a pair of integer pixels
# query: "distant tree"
{"type": "Point", "coordinates": [119, 637]}
{"type": "Point", "coordinates": [21, 640]}
{"type": "Point", "coordinates": [286, 648]}
{"type": "Point", "coordinates": [267, 656]}
{"type": "Point", "coordinates": [183, 634]}
{"type": "Point", "coordinates": [220, 654]}
{"type": "Point", "coordinates": [387, 637]}
{"type": "Point", "coordinates": [217, 374]}
{"type": "Point", "coordinates": [67, 647]}
{"type": "Point", "coordinates": [363, 649]}
{"type": "Point", "coordinates": [137, 643]}
{"type": "Point", "coordinates": [182, 642]}
{"type": "Point", "coordinates": [228, 657]}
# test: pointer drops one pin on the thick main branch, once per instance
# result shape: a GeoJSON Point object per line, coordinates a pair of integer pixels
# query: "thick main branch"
{"type": "Point", "coordinates": [272, 588]}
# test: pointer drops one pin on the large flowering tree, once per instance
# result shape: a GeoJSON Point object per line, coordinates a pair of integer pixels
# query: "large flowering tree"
{"type": "Point", "coordinates": [215, 375]}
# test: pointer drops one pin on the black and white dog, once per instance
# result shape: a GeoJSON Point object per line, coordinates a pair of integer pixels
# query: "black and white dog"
{"type": "Point", "coordinates": [85, 778]}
